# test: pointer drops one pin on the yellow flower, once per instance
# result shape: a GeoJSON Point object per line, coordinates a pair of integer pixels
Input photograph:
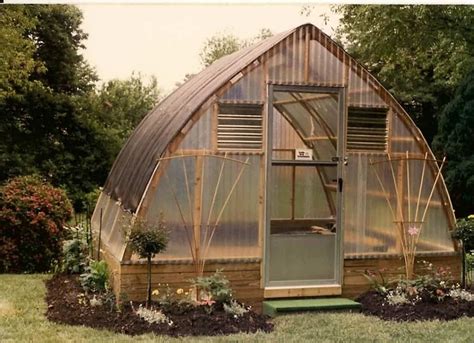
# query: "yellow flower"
{"type": "Point", "coordinates": [179, 291]}
{"type": "Point", "coordinates": [155, 292]}
{"type": "Point", "coordinates": [471, 216]}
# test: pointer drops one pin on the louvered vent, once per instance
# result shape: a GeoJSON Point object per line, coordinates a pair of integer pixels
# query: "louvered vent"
{"type": "Point", "coordinates": [367, 129]}
{"type": "Point", "coordinates": [239, 127]}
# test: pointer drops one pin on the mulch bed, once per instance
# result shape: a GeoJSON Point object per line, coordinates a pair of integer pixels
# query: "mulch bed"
{"type": "Point", "coordinates": [374, 303]}
{"type": "Point", "coordinates": [64, 292]}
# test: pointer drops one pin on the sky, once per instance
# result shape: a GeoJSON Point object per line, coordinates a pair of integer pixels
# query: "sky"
{"type": "Point", "coordinates": [165, 40]}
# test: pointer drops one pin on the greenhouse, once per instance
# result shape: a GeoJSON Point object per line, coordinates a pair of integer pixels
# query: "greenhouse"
{"type": "Point", "coordinates": [288, 166]}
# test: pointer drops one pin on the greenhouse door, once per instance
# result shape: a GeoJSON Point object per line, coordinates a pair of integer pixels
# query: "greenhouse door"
{"type": "Point", "coordinates": [304, 191]}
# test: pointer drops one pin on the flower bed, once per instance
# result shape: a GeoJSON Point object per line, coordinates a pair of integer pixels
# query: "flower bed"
{"type": "Point", "coordinates": [432, 295]}
{"type": "Point", "coordinates": [69, 304]}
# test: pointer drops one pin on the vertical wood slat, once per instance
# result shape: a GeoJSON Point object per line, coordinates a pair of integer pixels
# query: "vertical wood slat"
{"type": "Point", "coordinates": [197, 207]}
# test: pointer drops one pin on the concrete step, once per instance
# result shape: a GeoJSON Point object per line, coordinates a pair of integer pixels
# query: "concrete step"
{"type": "Point", "coordinates": [279, 306]}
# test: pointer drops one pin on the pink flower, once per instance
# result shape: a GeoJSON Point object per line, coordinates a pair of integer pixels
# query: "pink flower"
{"type": "Point", "coordinates": [413, 230]}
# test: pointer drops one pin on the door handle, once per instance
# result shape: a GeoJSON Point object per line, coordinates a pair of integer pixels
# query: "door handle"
{"type": "Point", "coordinates": [339, 184]}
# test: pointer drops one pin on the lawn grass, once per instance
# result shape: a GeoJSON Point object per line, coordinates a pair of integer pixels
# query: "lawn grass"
{"type": "Point", "coordinates": [22, 320]}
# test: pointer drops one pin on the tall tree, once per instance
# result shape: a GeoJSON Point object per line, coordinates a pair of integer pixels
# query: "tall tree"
{"type": "Point", "coordinates": [420, 53]}
{"type": "Point", "coordinates": [56, 123]}
{"type": "Point", "coordinates": [118, 106]}
{"type": "Point", "coordinates": [222, 44]}
{"type": "Point", "coordinates": [42, 130]}
{"type": "Point", "coordinates": [455, 139]}
{"type": "Point", "coordinates": [17, 60]}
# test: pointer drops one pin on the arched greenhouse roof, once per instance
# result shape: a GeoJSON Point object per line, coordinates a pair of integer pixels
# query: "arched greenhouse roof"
{"type": "Point", "coordinates": [136, 162]}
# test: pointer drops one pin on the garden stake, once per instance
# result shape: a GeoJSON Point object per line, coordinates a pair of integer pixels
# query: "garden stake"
{"type": "Point", "coordinates": [421, 186]}
{"type": "Point", "coordinates": [100, 235]}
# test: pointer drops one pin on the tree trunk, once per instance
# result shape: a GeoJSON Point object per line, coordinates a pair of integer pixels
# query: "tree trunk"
{"type": "Point", "coordinates": [148, 299]}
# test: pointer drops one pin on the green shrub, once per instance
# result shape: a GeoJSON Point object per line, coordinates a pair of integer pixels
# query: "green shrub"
{"type": "Point", "coordinates": [215, 287]}
{"type": "Point", "coordinates": [465, 232]}
{"type": "Point", "coordinates": [74, 256]}
{"type": "Point", "coordinates": [95, 277]}
{"type": "Point", "coordinates": [147, 240]}
{"type": "Point", "coordinates": [32, 218]}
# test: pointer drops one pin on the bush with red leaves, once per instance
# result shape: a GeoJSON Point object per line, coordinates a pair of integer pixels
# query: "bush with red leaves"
{"type": "Point", "coordinates": [32, 218]}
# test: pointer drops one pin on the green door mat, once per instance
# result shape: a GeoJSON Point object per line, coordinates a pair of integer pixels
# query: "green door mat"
{"type": "Point", "coordinates": [274, 307]}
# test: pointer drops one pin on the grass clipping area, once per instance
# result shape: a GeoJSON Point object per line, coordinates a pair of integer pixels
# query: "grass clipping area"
{"type": "Point", "coordinates": [22, 319]}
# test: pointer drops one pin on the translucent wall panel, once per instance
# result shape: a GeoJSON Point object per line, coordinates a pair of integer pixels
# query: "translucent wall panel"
{"type": "Point", "coordinates": [281, 192]}
{"type": "Point", "coordinates": [363, 91]}
{"type": "Point", "coordinates": [101, 203]}
{"type": "Point", "coordinates": [116, 239]}
{"type": "Point", "coordinates": [311, 199]}
{"type": "Point", "coordinates": [370, 226]}
{"type": "Point", "coordinates": [313, 115]}
{"type": "Point", "coordinates": [402, 139]}
{"type": "Point", "coordinates": [114, 223]}
{"type": "Point", "coordinates": [226, 199]}
{"type": "Point", "coordinates": [298, 192]}
{"type": "Point", "coordinates": [286, 63]}
{"type": "Point", "coordinates": [303, 184]}
{"type": "Point", "coordinates": [250, 87]}
{"type": "Point", "coordinates": [236, 235]}
{"type": "Point", "coordinates": [173, 199]}
{"type": "Point", "coordinates": [199, 137]}
{"type": "Point", "coordinates": [324, 67]}
{"type": "Point", "coordinates": [110, 209]}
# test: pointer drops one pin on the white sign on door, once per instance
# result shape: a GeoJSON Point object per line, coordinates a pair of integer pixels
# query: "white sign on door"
{"type": "Point", "coordinates": [303, 154]}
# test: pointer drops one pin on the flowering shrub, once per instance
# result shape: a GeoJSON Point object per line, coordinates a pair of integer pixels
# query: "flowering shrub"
{"type": "Point", "coordinates": [459, 293]}
{"type": "Point", "coordinates": [32, 217]}
{"type": "Point", "coordinates": [397, 297]}
{"type": "Point", "coordinates": [95, 277]}
{"type": "Point", "coordinates": [465, 232]}
{"type": "Point", "coordinates": [74, 256]}
{"type": "Point", "coordinates": [433, 286]}
{"type": "Point", "coordinates": [235, 309]}
{"type": "Point", "coordinates": [215, 287]}
{"type": "Point", "coordinates": [152, 316]}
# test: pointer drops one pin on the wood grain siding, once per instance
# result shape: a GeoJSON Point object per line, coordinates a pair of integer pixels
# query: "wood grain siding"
{"type": "Point", "coordinates": [244, 279]}
{"type": "Point", "coordinates": [392, 269]}
{"type": "Point", "coordinates": [129, 280]}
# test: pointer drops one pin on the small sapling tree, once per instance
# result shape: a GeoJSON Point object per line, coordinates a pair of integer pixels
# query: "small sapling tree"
{"type": "Point", "coordinates": [147, 240]}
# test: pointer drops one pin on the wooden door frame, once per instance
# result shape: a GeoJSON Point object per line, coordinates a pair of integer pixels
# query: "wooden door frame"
{"type": "Point", "coordinates": [340, 154]}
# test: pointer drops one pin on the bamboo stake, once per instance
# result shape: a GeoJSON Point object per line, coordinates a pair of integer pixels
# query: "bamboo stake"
{"type": "Point", "coordinates": [188, 193]}
{"type": "Point", "coordinates": [411, 158]}
{"type": "Point", "coordinates": [203, 154]}
{"type": "Point", "coordinates": [211, 209]}
{"type": "Point", "coordinates": [197, 209]}
{"type": "Point", "coordinates": [428, 203]}
{"type": "Point", "coordinates": [408, 188]}
{"type": "Point", "coordinates": [433, 189]}
{"type": "Point", "coordinates": [421, 187]}
{"type": "Point", "coordinates": [215, 191]}
{"type": "Point", "coordinates": [231, 191]}
{"type": "Point", "coordinates": [182, 216]}
{"type": "Point", "coordinates": [396, 189]}
{"type": "Point", "coordinates": [400, 231]}
{"type": "Point", "coordinates": [223, 208]}
{"type": "Point", "coordinates": [399, 206]}
{"type": "Point", "coordinates": [384, 192]}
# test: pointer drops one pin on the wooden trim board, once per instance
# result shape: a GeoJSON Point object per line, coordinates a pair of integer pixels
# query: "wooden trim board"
{"type": "Point", "coordinates": [291, 292]}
